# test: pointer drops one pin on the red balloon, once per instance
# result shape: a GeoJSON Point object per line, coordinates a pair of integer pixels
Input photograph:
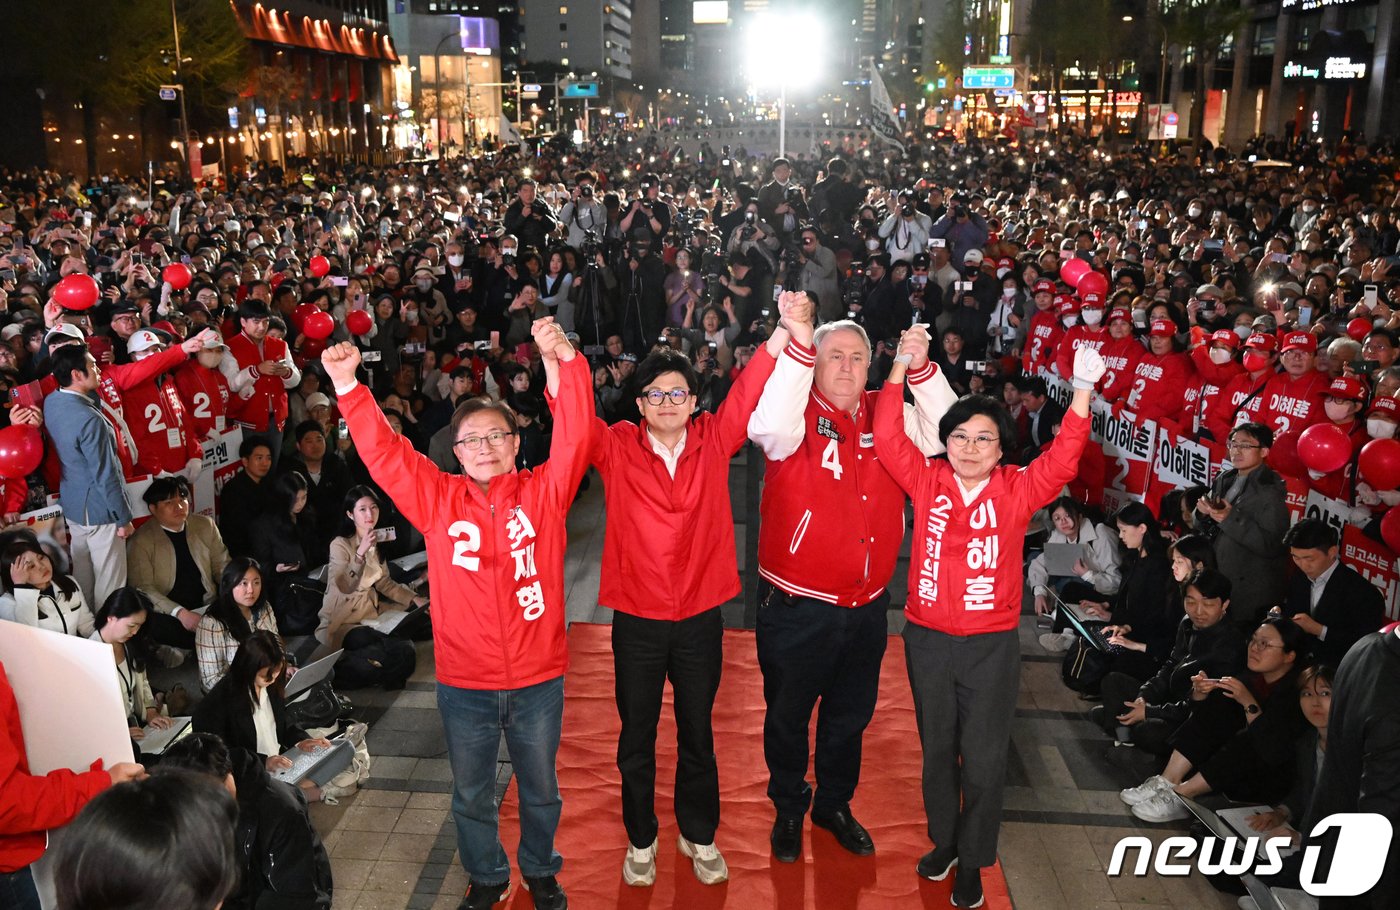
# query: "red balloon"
{"type": "Point", "coordinates": [359, 322]}
{"type": "Point", "coordinates": [311, 348]}
{"type": "Point", "coordinates": [21, 450]}
{"type": "Point", "coordinates": [319, 266]}
{"type": "Point", "coordinates": [318, 326]}
{"type": "Point", "coordinates": [1379, 464]}
{"type": "Point", "coordinates": [1324, 447]}
{"type": "Point", "coordinates": [77, 292]}
{"type": "Point", "coordinates": [1359, 328]}
{"type": "Point", "coordinates": [1390, 529]}
{"type": "Point", "coordinates": [177, 275]}
{"type": "Point", "coordinates": [1283, 456]}
{"type": "Point", "coordinates": [1092, 283]}
{"type": "Point", "coordinates": [1073, 270]}
{"type": "Point", "coordinates": [301, 313]}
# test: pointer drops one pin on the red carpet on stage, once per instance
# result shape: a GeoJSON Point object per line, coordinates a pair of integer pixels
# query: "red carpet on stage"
{"type": "Point", "coordinates": [592, 840]}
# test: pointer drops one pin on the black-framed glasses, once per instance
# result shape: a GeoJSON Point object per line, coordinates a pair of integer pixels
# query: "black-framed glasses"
{"type": "Point", "coordinates": [1241, 446]}
{"type": "Point", "coordinates": [1257, 642]}
{"type": "Point", "coordinates": [655, 397]}
{"type": "Point", "coordinates": [496, 439]}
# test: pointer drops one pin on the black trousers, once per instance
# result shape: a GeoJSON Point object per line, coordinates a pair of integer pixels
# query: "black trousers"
{"type": "Point", "coordinates": [964, 699]}
{"type": "Point", "coordinates": [810, 650]}
{"type": "Point", "coordinates": [646, 653]}
{"type": "Point", "coordinates": [1153, 734]}
{"type": "Point", "coordinates": [167, 630]}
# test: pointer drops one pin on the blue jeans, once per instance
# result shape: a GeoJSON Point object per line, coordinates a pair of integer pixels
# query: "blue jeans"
{"type": "Point", "coordinates": [17, 890]}
{"type": "Point", "coordinates": [530, 718]}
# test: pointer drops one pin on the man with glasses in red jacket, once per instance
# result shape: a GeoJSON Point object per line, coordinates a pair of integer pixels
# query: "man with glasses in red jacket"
{"type": "Point", "coordinates": [495, 540]}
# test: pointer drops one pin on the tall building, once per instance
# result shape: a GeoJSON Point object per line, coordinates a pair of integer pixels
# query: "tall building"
{"type": "Point", "coordinates": [581, 35]}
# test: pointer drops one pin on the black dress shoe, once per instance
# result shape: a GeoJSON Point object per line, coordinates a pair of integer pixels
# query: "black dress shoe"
{"type": "Point", "coordinates": [850, 833]}
{"type": "Point", "coordinates": [484, 897]}
{"type": "Point", "coordinates": [787, 838]}
{"type": "Point", "coordinates": [547, 893]}
{"type": "Point", "coordinates": [967, 888]}
{"type": "Point", "coordinates": [936, 864]}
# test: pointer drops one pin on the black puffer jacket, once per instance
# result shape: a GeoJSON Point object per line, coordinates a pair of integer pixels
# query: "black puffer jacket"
{"type": "Point", "coordinates": [1218, 650]}
{"type": "Point", "coordinates": [285, 866]}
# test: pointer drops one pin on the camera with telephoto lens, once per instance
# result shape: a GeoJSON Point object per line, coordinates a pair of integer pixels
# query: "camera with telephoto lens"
{"type": "Point", "coordinates": [586, 191]}
{"type": "Point", "coordinates": [907, 210]}
{"type": "Point", "coordinates": [794, 194]}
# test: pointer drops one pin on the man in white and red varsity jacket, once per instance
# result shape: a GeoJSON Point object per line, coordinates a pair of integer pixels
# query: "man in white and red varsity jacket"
{"type": "Point", "coordinates": [495, 538]}
{"type": "Point", "coordinates": [832, 524]}
{"type": "Point", "coordinates": [259, 371]}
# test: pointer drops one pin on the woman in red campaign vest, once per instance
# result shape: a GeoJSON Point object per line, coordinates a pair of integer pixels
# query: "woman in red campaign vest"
{"type": "Point", "coordinates": [964, 605]}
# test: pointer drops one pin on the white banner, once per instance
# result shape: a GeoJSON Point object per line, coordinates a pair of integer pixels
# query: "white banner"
{"type": "Point", "coordinates": [882, 116]}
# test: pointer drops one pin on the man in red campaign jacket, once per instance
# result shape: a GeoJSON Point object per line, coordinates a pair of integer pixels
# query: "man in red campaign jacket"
{"type": "Point", "coordinates": [259, 370]}
{"type": "Point", "coordinates": [668, 564]}
{"type": "Point", "coordinates": [1343, 403]}
{"type": "Point", "coordinates": [164, 435]}
{"type": "Point", "coordinates": [1161, 378]}
{"type": "Point", "coordinates": [495, 539]}
{"type": "Point", "coordinates": [1043, 335]}
{"type": "Point", "coordinates": [204, 388]}
{"type": "Point", "coordinates": [32, 804]}
{"type": "Point", "coordinates": [1089, 333]}
{"type": "Point", "coordinates": [962, 646]}
{"type": "Point", "coordinates": [1121, 354]}
{"type": "Point", "coordinates": [832, 524]}
{"type": "Point", "coordinates": [1293, 399]}
{"type": "Point", "coordinates": [1242, 398]}
{"type": "Point", "coordinates": [1215, 365]}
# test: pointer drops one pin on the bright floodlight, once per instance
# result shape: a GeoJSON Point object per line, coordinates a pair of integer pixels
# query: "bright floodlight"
{"type": "Point", "coordinates": [783, 49]}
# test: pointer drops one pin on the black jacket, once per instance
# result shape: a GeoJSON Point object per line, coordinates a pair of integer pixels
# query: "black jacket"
{"type": "Point", "coordinates": [528, 229]}
{"type": "Point", "coordinates": [285, 866]}
{"type": "Point", "coordinates": [1218, 650]}
{"type": "Point", "coordinates": [1146, 601]}
{"type": "Point", "coordinates": [1350, 607]}
{"type": "Point", "coordinates": [241, 503]}
{"type": "Point", "coordinates": [226, 713]}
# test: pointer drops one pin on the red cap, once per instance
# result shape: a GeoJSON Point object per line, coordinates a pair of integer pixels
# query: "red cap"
{"type": "Point", "coordinates": [1226, 337]}
{"type": "Point", "coordinates": [1387, 407]}
{"type": "Point", "coordinates": [1066, 304]}
{"type": "Point", "coordinates": [1119, 314]}
{"type": "Point", "coordinates": [1348, 387]}
{"type": "Point", "coordinates": [1005, 263]}
{"type": "Point", "coordinates": [1092, 299]}
{"type": "Point", "coordinates": [1262, 341]}
{"type": "Point", "coordinates": [1044, 286]}
{"type": "Point", "coordinates": [1162, 328]}
{"type": "Point", "coordinates": [1300, 341]}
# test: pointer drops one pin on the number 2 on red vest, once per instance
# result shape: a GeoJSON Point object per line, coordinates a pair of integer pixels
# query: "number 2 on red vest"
{"type": "Point", "coordinates": [466, 539]}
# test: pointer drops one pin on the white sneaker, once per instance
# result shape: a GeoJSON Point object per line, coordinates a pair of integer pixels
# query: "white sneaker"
{"type": "Point", "coordinates": [1057, 642]}
{"type": "Point", "coordinates": [1164, 807]}
{"type": "Point", "coordinates": [710, 867]}
{"type": "Point", "coordinates": [639, 867]}
{"type": "Point", "coordinates": [1146, 790]}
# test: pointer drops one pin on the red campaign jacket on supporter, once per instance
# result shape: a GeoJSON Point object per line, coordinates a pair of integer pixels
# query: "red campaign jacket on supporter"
{"type": "Point", "coordinates": [118, 380]}
{"type": "Point", "coordinates": [1121, 356]}
{"type": "Point", "coordinates": [965, 562]}
{"type": "Point", "coordinates": [13, 493]}
{"type": "Point", "coordinates": [832, 516]}
{"type": "Point", "coordinates": [1159, 386]}
{"type": "Point", "coordinates": [495, 560]}
{"type": "Point", "coordinates": [669, 549]}
{"type": "Point", "coordinates": [205, 394]}
{"type": "Point", "coordinates": [268, 393]}
{"type": "Point", "coordinates": [1211, 381]}
{"type": "Point", "coordinates": [1340, 484]}
{"type": "Point", "coordinates": [1237, 403]}
{"type": "Point", "coordinates": [1292, 405]}
{"type": "Point", "coordinates": [165, 437]}
{"type": "Point", "coordinates": [1042, 340]}
{"type": "Point", "coordinates": [30, 804]}
{"type": "Point", "coordinates": [1078, 336]}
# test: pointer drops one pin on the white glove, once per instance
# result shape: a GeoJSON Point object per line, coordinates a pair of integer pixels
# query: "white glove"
{"type": "Point", "coordinates": [192, 469]}
{"type": "Point", "coordinates": [1088, 368]}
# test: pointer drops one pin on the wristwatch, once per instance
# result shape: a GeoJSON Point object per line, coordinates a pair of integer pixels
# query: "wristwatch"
{"type": "Point", "coordinates": [1251, 709]}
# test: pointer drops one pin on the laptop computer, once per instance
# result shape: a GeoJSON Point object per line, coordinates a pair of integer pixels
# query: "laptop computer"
{"type": "Point", "coordinates": [1232, 822]}
{"type": "Point", "coordinates": [1079, 622]}
{"type": "Point", "coordinates": [309, 675]}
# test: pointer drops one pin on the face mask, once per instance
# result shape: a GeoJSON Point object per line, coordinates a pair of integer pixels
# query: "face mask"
{"type": "Point", "coordinates": [1139, 317]}
{"type": "Point", "coordinates": [1091, 317]}
{"type": "Point", "coordinates": [1336, 412]}
{"type": "Point", "coordinates": [410, 317]}
{"type": "Point", "coordinates": [1244, 331]}
{"type": "Point", "coordinates": [1254, 361]}
{"type": "Point", "coordinates": [424, 286]}
{"type": "Point", "coordinates": [455, 260]}
{"type": "Point", "coordinates": [1379, 428]}
{"type": "Point", "coordinates": [1309, 209]}
{"type": "Point", "coordinates": [1193, 212]}
{"type": "Point", "coordinates": [872, 244]}
{"type": "Point", "coordinates": [1067, 321]}
{"type": "Point", "coordinates": [1008, 293]}
{"type": "Point", "coordinates": [361, 268]}
{"type": "Point", "coordinates": [1220, 356]}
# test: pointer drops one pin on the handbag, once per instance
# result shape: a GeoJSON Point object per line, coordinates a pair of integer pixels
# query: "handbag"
{"type": "Point", "coordinates": [1085, 667]}
{"type": "Point", "coordinates": [318, 708]}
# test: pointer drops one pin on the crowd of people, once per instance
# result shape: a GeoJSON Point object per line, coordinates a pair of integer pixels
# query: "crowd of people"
{"type": "Point", "coordinates": [885, 329]}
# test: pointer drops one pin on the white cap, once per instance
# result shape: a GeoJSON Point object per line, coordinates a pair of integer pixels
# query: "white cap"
{"type": "Point", "coordinates": [143, 340]}
{"type": "Point", "coordinates": [216, 343]}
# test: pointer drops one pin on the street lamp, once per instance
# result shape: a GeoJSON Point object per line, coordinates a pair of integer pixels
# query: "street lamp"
{"type": "Point", "coordinates": [766, 68]}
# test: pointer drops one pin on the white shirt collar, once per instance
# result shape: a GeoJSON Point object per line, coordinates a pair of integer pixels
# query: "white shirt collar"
{"type": "Point", "coordinates": [670, 457]}
{"type": "Point", "coordinates": [970, 496]}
